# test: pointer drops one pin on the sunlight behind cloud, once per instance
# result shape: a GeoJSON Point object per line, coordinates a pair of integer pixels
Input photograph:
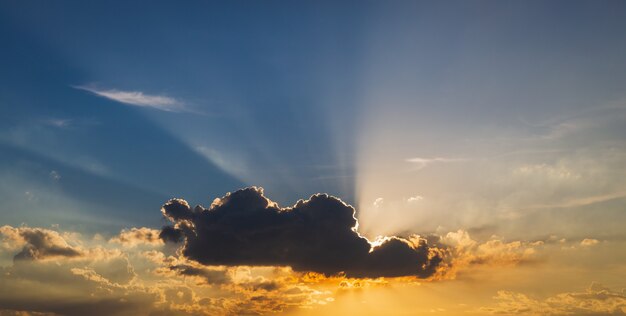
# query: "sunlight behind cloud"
{"type": "Point", "coordinates": [226, 162]}
{"type": "Point", "coordinates": [422, 158]}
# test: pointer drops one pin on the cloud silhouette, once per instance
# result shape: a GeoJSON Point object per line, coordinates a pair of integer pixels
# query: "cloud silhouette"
{"type": "Point", "coordinates": [38, 244]}
{"type": "Point", "coordinates": [318, 235]}
{"type": "Point", "coordinates": [209, 276]}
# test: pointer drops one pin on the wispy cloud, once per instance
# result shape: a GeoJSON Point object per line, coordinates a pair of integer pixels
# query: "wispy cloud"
{"type": "Point", "coordinates": [60, 123]}
{"type": "Point", "coordinates": [595, 300]}
{"type": "Point", "coordinates": [421, 163]}
{"type": "Point", "coordinates": [138, 98]}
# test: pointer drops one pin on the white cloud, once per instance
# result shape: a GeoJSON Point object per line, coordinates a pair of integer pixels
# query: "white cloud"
{"type": "Point", "coordinates": [60, 123]}
{"type": "Point", "coordinates": [138, 98]}
{"type": "Point", "coordinates": [557, 172]}
{"type": "Point", "coordinates": [55, 175]}
{"type": "Point", "coordinates": [421, 163]}
{"type": "Point", "coordinates": [588, 242]}
{"type": "Point", "coordinates": [414, 199]}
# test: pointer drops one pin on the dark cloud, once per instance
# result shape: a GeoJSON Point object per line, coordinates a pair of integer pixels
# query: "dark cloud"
{"type": "Point", "coordinates": [319, 235]}
{"type": "Point", "coordinates": [41, 244]}
{"type": "Point", "coordinates": [209, 276]}
{"type": "Point", "coordinates": [266, 286]}
{"type": "Point", "coordinates": [171, 234]}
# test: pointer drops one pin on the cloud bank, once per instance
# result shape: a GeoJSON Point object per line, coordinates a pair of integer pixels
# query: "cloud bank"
{"type": "Point", "coordinates": [135, 273]}
{"type": "Point", "coordinates": [594, 301]}
{"type": "Point", "coordinates": [67, 273]}
{"type": "Point", "coordinates": [318, 235]}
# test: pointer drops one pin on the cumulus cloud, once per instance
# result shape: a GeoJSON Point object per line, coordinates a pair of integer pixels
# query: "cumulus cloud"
{"type": "Point", "coordinates": [462, 252]}
{"type": "Point", "coordinates": [138, 236]}
{"type": "Point", "coordinates": [588, 242]}
{"type": "Point", "coordinates": [69, 274]}
{"type": "Point", "coordinates": [246, 255]}
{"type": "Point", "coordinates": [318, 234]}
{"type": "Point", "coordinates": [138, 98]}
{"type": "Point", "coordinates": [596, 300]}
{"type": "Point", "coordinates": [38, 244]}
{"type": "Point", "coordinates": [134, 273]}
{"type": "Point", "coordinates": [93, 280]}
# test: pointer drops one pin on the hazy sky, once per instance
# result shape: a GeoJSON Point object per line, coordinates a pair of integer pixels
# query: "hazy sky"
{"type": "Point", "coordinates": [495, 130]}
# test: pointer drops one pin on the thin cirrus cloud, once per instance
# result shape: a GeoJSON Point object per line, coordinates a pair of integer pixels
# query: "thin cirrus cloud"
{"type": "Point", "coordinates": [138, 98]}
{"type": "Point", "coordinates": [421, 163]}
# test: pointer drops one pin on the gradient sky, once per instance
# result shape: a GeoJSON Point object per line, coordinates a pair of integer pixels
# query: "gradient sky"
{"type": "Point", "coordinates": [495, 128]}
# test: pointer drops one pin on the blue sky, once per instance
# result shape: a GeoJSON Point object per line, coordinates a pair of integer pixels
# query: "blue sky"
{"type": "Point", "coordinates": [112, 108]}
{"type": "Point", "coordinates": [481, 143]}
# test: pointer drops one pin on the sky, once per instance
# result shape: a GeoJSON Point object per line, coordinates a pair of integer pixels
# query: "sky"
{"type": "Point", "coordinates": [348, 157]}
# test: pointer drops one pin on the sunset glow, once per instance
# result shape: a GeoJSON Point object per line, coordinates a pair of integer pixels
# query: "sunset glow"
{"type": "Point", "coordinates": [313, 158]}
